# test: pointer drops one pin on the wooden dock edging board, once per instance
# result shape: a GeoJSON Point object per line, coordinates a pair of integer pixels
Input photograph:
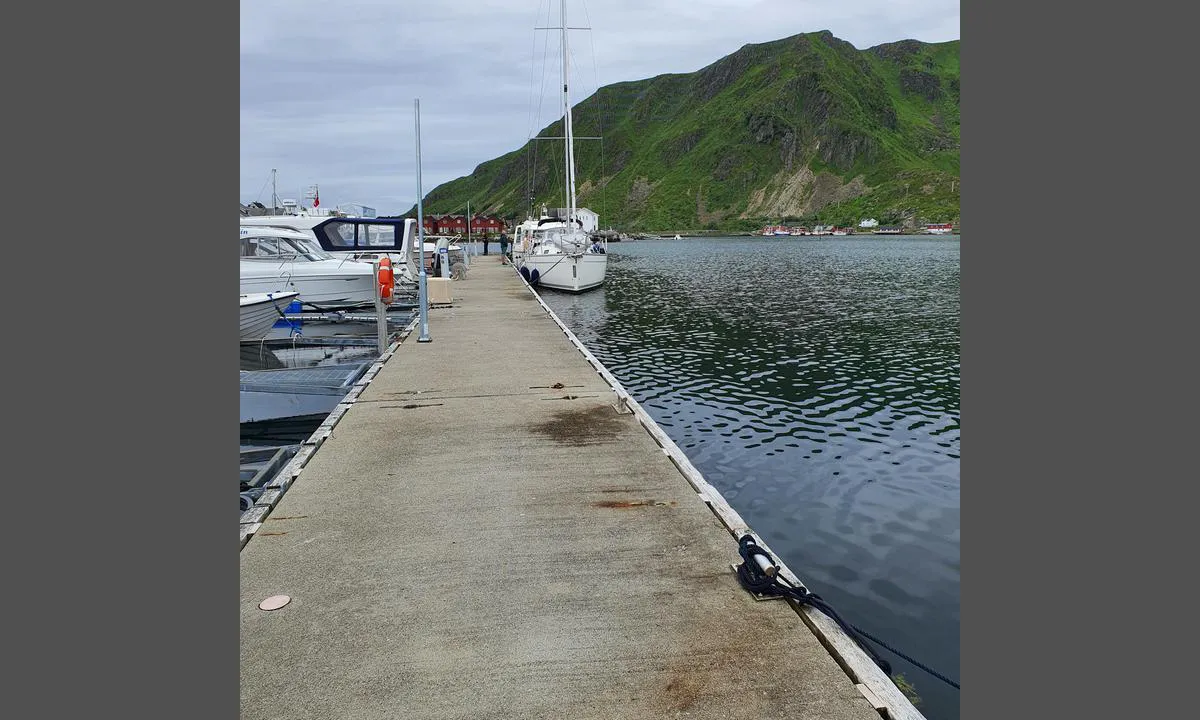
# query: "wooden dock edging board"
{"type": "Point", "coordinates": [251, 519]}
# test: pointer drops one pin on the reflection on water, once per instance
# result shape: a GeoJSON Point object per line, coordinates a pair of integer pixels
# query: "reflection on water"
{"type": "Point", "coordinates": [815, 383]}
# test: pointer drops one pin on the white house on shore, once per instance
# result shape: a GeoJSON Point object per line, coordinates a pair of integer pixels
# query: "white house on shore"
{"type": "Point", "coordinates": [869, 223]}
{"type": "Point", "coordinates": [589, 219]}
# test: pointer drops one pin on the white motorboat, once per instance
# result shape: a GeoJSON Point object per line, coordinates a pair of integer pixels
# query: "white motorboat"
{"type": "Point", "coordinates": [559, 253]}
{"type": "Point", "coordinates": [357, 238]}
{"type": "Point", "coordinates": [261, 310]}
{"type": "Point", "coordinates": [276, 260]}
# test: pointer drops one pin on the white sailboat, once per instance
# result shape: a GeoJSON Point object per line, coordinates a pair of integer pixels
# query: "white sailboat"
{"type": "Point", "coordinates": [560, 254]}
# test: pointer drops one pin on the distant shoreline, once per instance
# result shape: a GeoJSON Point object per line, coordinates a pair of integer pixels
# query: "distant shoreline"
{"type": "Point", "coordinates": [715, 233]}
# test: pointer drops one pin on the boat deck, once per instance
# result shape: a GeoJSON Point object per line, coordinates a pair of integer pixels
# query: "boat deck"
{"type": "Point", "coordinates": [474, 541]}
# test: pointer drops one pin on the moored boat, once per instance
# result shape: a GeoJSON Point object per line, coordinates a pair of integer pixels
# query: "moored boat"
{"type": "Point", "coordinates": [259, 311]}
{"type": "Point", "coordinates": [276, 260]}
{"type": "Point", "coordinates": [558, 253]}
{"type": "Point", "coordinates": [357, 238]}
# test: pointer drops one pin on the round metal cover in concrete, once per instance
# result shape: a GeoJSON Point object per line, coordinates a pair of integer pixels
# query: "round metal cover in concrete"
{"type": "Point", "coordinates": [274, 602]}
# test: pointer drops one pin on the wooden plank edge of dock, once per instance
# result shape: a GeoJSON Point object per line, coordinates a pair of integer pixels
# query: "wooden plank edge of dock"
{"type": "Point", "coordinates": [253, 518]}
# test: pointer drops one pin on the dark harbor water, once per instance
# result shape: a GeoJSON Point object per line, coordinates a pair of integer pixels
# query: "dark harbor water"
{"type": "Point", "coordinates": [815, 383]}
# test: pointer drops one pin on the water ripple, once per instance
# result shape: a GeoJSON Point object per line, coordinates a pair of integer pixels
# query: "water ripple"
{"type": "Point", "coordinates": [815, 383]}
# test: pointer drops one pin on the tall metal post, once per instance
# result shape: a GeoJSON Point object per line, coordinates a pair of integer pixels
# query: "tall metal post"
{"type": "Point", "coordinates": [380, 312]}
{"type": "Point", "coordinates": [568, 132]}
{"type": "Point", "coordinates": [423, 286]}
{"type": "Point", "coordinates": [470, 245]}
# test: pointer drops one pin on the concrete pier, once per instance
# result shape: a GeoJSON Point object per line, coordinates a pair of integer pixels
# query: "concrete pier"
{"type": "Point", "coordinates": [484, 535]}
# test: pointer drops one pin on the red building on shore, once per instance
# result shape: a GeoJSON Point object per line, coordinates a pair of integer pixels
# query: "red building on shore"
{"type": "Point", "coordinates": [481, 225]}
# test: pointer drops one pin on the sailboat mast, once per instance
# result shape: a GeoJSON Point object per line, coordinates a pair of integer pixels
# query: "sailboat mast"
{"type": "Point", "coordinates": [570, 150]}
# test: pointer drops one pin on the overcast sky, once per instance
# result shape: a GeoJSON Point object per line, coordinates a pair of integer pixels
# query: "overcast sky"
{"type": "Point", "coordinates": [327, 89]}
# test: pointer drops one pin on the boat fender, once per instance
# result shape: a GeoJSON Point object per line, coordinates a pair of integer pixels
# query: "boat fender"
{"type": "Point", "coordinates": [534, 276]}
{"type": "Point", "coordinates": [387, 280]}
{"type": "Point", "coordinates": [525, 273]}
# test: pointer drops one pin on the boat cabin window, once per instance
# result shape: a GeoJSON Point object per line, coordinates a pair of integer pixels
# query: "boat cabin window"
{"type": "Point", "coordinates": [379, 235]}
{"type": "Point", "coordinates": [341, 234]}
{"type": "Point", "coordinates": [307, 248]}
{"type": "Point", "coordinates": [281, 248]}
{"type": "Point", "coordinates": [261, 247]}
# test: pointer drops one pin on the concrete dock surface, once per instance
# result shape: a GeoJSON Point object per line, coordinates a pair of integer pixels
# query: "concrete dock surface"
{"type": "Point", "coordinates": [472, 541]}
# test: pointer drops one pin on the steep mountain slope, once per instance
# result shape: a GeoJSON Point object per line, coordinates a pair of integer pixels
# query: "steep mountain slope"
{"type": "Point", "coordinates": [805, 129]}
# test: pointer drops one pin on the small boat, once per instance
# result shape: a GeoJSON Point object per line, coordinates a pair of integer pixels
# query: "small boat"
{"type": "Point", "coordinates": [560, 254]}
{"type": "Point", "coordinates": [296, 392]}
{"type": "Point", "coordinates": [277, 260]}
{"type": "Point", "coordinates": [677, 236]}
{"type": "Point", "coordinates": [261, 310]}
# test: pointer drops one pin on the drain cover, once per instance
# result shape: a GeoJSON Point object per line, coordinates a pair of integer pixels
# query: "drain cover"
{"type": "Point", "coordinates": [274, 602]}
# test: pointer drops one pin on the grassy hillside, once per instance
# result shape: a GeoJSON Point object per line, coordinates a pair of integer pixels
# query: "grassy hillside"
{"type": "Point", "coordinates": [802, 130]}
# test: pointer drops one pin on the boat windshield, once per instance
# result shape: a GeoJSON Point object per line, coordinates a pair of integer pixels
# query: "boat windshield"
{"type": "Point", "coordinates": [282, 248]}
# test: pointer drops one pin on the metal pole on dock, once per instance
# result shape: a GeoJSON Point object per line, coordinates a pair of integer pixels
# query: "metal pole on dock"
{"type": "Point", "coordinates": [469, 246]}
{"type": "Point", "coordinates": [380, 312]}
{"type": "Point", "coordinates": [423, 291]}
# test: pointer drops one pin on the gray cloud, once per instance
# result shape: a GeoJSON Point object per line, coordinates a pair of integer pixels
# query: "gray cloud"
{"type": "Point", "coordinates": [327, 93]}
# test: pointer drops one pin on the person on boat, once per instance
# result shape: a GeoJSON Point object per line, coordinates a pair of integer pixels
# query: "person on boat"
{"type": "Point", "coordinates": [596, 247]}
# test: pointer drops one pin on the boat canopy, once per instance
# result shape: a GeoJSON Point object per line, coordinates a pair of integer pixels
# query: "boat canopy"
{"type": "Point", "coordinates": [348, 234]}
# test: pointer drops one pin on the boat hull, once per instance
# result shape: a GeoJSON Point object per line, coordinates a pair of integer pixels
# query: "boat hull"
{"type": "Point", "coordinates": [569, 273]}
{"type": "Point", "coordinates": [339, 285]}
{"type": "Point", "coordinates": [260, 311]}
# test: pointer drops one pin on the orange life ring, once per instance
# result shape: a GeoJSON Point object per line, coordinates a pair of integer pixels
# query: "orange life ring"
{"type": "Point", "coordinates": [387, 281]}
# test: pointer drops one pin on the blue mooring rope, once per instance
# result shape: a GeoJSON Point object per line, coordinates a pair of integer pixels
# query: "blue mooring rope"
{"type": "Point", "coordinates": [756, 581]}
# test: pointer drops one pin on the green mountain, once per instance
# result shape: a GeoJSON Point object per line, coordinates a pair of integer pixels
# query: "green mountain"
{"type": "Point", "coordinates": [803, 130]}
